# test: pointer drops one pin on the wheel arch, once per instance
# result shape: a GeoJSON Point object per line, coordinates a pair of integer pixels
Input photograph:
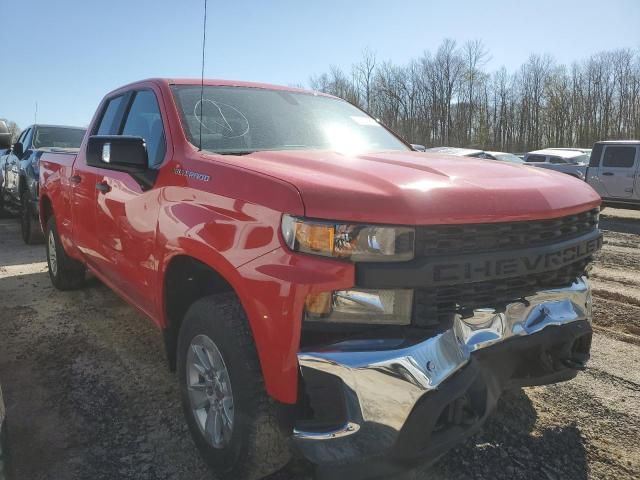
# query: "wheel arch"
{"type": "Point", "coordinates": [187, 278]}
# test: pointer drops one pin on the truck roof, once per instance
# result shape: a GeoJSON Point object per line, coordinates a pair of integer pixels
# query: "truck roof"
{"type": "Point", "coordinates": [620, 142]}
{"type": "Point", "coordinates": [222, 83]}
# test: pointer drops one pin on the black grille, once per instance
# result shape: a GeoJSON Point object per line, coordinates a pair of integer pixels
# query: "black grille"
{"type": "Point", "coordinates": [457, 239]}
{"type": "Point", "coordinates": [436, 307]}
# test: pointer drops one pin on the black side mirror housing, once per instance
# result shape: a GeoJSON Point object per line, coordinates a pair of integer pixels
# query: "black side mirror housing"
{"type": "Point", "coordinates": [120, 153]}
{"type": "Point", "coordinates": [18, 149]}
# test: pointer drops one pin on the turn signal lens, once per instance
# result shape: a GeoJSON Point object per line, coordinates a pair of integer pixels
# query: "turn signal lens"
{"type": "Point", "coordinates": [316, 238]}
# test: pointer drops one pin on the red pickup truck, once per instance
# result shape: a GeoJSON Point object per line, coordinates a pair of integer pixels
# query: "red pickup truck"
{"type": "Point", "coordinates": [322, 289]}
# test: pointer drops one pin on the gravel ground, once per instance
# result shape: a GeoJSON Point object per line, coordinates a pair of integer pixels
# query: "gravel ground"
{"type": "Point", "coordinates": [89, 395]}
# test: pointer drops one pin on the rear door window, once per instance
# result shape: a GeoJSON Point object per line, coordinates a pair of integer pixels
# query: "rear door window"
{"type": "Point", "coordinates": [536, 158]}
{"type": "Point", "coordinates": [619, 157]}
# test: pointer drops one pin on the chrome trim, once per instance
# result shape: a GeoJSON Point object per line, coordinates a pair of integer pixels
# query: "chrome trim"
{"type": "Point", "coordinates": [383, 380]}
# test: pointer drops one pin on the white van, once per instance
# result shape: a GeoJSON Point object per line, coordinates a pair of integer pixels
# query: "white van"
{"type": "Point", "coordinates": [614, 172]}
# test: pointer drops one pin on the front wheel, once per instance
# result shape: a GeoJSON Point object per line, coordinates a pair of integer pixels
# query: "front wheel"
{"type": "Point", "coordinates": [65, 272]}
{"type": "Point", "coordinates": [232, 419]}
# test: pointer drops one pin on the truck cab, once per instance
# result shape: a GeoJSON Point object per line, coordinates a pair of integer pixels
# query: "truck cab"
{"type": "Point", "coordinates": [613, 172]}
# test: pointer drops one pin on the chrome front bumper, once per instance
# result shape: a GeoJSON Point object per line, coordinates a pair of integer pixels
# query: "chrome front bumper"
{"type": "Point", "coordinates": [382, 381]}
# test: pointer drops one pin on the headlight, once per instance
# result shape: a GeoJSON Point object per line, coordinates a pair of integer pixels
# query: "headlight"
{"type": "Point", "coordinates": [358, 243]}
{"type": "Point", "coordinates": [375, 307]}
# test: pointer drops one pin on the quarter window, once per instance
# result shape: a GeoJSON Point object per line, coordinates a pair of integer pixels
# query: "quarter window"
{"type": "Point", "coordinates": [621, 157]}
{"type": "Point", "coordinates": [144, 120]}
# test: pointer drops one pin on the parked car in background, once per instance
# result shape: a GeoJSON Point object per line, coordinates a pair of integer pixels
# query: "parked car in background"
{"type": "Point", "coordinates": [570, 161]}
{"type": "Point", "coordinates": [319, 287]}
{"type": "Point", "coordinates": [5, 145]}
{"type": "Point", "coordinates": [5, 138]}
{"type": "Point", "coordinates": [469, 152]}
{"type": "Point", "coordinates": [614, 172]}
{"type": "Point", "coordinates": [586, 151]}
{"type": "Point", "coordinates": [458, 152]}
{"type": "Point", "coordinates": [503, 157]}
{"type": "Point", "coordinates": [19, 167]}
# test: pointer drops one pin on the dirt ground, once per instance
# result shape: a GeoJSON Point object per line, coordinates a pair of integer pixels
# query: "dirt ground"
{"type": "Point", "coordinates": [89, 395]}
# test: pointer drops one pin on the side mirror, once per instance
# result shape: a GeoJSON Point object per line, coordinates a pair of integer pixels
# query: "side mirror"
{"type": "Point", "coordinates": [18, 149]}
{"type": "Point", "coordinates": [418, 148]}
{"type": "Point", "coordinates": [121, 153]}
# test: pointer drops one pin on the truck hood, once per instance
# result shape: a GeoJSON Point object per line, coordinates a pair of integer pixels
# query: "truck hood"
{"type": "Point", "coordinates": [413, 188]}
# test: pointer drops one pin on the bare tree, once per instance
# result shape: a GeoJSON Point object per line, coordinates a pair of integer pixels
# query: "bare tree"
{"type": "Point", "coordinates": [448, 98]}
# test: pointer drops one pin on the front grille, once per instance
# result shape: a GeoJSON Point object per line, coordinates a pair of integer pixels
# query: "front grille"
{"type": "Point", "coordinates": [435, 308]}
{"type": "Point", "coordinates": [438, 240]}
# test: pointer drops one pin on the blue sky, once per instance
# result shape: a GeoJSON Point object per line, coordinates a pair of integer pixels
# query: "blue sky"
{"type": "Point", "coordinates": [66, 54]}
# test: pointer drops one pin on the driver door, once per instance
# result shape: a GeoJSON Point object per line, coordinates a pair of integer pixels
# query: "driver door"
{"type": "Point", "coordinates": [126, 214]}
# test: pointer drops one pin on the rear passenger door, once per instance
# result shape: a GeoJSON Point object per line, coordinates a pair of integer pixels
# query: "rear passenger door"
{"type": "Point", "coordinates": [618, 170]}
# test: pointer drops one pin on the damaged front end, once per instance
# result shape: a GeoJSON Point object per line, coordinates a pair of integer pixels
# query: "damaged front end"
{"type": "Point", "coordinates": [414, 401]}
{"type": "Point", "coordinates": [381, 399]}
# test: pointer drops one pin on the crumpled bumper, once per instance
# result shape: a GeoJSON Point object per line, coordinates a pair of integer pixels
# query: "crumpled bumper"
{"type": "Point", "coordinates": [411, 403]}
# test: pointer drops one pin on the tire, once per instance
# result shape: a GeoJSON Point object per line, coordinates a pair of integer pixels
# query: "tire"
{"type": "Point", "coordinates": [65, 272]}
{"type": "Point", "coordinates": [30, 229]}
{"type": "Point", "coordinates": [254, 445]}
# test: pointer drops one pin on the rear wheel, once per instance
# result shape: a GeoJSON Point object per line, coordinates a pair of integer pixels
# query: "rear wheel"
{"type": "Point", "coordinates": [232, 419]}
{"type": "Point", "coordinates": [65, 272]}
{"type": "Point", "coordinates": [30, 228]}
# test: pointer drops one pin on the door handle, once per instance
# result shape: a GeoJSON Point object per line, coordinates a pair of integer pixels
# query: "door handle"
{"type": "Point", "coordinates": [103, 187]}
{"type": "Point", "coordinates": [75, 179]}
{"type": "Point", "coordinates": [608, 174]}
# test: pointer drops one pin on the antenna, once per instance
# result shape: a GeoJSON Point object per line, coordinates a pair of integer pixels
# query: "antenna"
{"type": "Point", "coordinates": [35, 115]}
{"type": "Point", "coordinates": [204, 42]}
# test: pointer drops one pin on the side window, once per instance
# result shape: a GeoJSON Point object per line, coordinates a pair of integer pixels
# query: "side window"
{"type": "Point", "coordinates": [26, 141]}
{"type": "Point", "coordinates": [622, 157]}
{"type": "Point", "coordinates": [110, 116]}
{"type": "Point", "coordinates": [144, 120]}
{"type": "Point", "coordinates": [596, 155]}
{"type": "Point", "coordinates": [536, 158]}
{"type": "Point", "coordinates": [22, 135]}
{"type": "Point", "coordinates": [556, 160]}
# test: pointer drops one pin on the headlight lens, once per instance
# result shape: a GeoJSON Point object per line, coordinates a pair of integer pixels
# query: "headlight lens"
{"type": "Point", "coordinates": [359, 243]}
{"type": "Point", "coordinates": [381, 307]}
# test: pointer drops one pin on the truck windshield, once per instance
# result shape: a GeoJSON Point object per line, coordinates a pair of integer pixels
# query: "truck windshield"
{"type": "Point", "coordinates": [58, 137]}
{"type": "Point", "coordinates": [237, 120]}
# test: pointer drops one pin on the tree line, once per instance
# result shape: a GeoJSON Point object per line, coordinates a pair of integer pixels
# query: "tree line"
{"type": "Point", "coordinates": [449, 98]}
